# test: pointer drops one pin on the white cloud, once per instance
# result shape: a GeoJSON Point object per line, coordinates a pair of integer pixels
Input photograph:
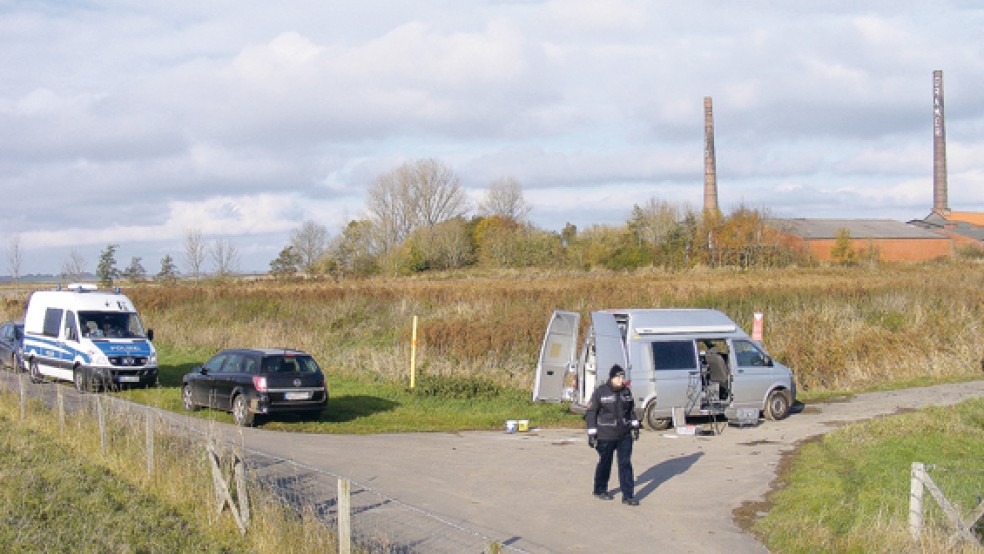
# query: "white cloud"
{"type": "Point", "coordinates": [129, 122]}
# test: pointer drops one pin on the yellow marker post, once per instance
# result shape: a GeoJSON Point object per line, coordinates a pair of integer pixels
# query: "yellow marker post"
{"type": "Point", "coordinates": [413, 353]}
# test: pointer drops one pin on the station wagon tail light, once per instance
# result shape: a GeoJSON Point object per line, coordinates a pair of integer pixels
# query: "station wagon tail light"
{"type": "Point", "coordinates": [259, 383]}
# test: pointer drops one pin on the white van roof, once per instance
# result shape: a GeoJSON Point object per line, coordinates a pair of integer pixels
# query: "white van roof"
{"type": "Point", "coordinates": [678, 321]}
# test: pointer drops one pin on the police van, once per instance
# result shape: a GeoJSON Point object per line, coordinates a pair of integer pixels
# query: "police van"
{"type": "Point", "coordinates": [90, 337]}
{"type": "Point", "coordinates": [678, 362]}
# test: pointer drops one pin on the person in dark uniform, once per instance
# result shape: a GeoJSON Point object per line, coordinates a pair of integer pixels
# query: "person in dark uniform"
{"type": "Point", "coordinates": [612, 426]}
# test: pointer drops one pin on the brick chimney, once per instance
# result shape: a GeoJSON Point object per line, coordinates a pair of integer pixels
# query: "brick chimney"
{"type": "Point", "coordinates": [710, 165]}
{"type": "Point", "coordinates": [939, 148]}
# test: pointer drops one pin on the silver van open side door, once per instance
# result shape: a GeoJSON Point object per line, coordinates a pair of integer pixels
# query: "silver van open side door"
{"type": "Point", "coordinates": [557, 354]}
{"type": "Point", "coordinates": [609, 347]}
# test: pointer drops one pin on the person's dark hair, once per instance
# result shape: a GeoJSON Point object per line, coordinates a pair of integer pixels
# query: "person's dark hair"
{"type": "Point", "coordinates": [616, 370]}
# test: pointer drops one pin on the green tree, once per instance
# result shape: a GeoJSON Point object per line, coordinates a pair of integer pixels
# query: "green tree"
{"type": "Point", "coordinates": [843, 251]}
{"type": "Point", "coordinates": [135, 271]}
{"type": "Point", "coordinates": [106, 270]}
{"type": "Point", "coordinates": [169, 270]}
{"type": "Point", "coordinates": [288, 262]}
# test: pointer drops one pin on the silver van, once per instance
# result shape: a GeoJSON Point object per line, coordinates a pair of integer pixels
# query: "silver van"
{"type": "Point", "coordinates": [689, 361]}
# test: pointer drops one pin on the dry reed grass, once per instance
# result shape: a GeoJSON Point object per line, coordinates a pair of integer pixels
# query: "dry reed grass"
{"type": "Point", "coordinates": [838, 328]}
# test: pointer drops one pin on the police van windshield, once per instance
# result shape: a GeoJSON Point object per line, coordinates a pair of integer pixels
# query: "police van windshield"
{"type": "Point", "coordinates": [111, 325]}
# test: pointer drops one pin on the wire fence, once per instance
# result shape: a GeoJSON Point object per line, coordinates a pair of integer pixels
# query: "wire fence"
{"type": "Point", "coordinates": [377, 522]}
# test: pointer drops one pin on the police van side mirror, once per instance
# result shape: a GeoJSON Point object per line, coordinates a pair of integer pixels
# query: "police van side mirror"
{"type": "Point", "coordinates": [150, 334]}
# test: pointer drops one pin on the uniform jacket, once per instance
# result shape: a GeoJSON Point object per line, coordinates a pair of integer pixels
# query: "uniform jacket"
{"type": "Point", "coordinates": [611, 413]}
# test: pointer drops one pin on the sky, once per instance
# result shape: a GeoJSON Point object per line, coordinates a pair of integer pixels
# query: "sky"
{"type": "Point", "coordinates": [134, 122]}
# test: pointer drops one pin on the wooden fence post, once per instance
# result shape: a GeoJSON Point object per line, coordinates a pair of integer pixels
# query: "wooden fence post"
{"type": "Point", "coordinates": [916, 500]}
{"type": "Point", "coordinates": [150, 444]}
{"type": "Point", "coordinates": [60, 401]}
{"type": "Point", "coordinates": [344, 516]}
{"type": "Point", "coordinates": [23, 397]}
{"type": "Point", "coordinates": [222, 494]}
{"type": "Point", "coordinates": [102, 424]}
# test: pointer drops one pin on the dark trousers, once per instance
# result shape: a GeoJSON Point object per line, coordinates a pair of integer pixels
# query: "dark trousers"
{"type": "Point", "coordinates": [606, 451]}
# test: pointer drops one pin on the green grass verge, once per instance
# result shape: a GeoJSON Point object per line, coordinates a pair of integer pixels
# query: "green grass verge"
{"type": "Point", "coordinates": [54, 500]}
{"type": "Point", "coordinates": [369, 405]}
{"type": "Point", "coordinates": [849, 490]}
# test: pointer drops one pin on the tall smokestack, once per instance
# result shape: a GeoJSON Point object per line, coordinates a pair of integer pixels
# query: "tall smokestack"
{"type": "Point", "coordinates": [939, 147]}
{"type": "Point", "coordinates": [710, 166]}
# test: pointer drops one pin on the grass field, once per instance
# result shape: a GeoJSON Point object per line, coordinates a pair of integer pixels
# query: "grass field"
{"type": "Point", "coordinates": [64, 490]}
{"type": "Point", "coordinates": [849, 490]}
{"type": "Point", "coordinates": [842, 330]}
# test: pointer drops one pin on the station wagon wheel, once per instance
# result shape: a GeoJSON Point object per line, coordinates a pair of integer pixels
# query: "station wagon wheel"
{"type": "Point", "coordinates": [36, 376]}
{"type": "Point", "coordinates": [654, 422]}
{"type": "Point", "coordinates": [189, 403]}
{"type": "Point", "coordinates": [240, 411]}
{"type": "Point", "coordinates": [777, 405]}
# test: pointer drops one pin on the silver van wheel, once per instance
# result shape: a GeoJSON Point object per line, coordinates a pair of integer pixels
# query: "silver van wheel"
{"type": "Point", "coordinates": [655, 422]}
{"type": "Point", "coordinates": [240, 411]}
{"type": "Point", "coordinates": [777, 405]}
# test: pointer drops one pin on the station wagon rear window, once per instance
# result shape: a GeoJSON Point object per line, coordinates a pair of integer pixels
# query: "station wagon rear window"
{"type": "Point", "coordinates": [672, 355]}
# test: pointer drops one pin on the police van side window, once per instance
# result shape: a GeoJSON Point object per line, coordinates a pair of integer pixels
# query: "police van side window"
{"type": "Point", "coordinates": [71, 327]}
{"type": "Point", "coordinates": [672, 355]}
{"type": "Point", "coordinates": [52, 321]}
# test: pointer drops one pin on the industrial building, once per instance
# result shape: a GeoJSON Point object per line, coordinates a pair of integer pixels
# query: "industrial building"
{"type": "Point", "coordinates": [939, 235]}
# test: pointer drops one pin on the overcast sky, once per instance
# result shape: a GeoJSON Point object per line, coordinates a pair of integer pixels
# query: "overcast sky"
{"type": "Point", "coordinates": [132, 122]}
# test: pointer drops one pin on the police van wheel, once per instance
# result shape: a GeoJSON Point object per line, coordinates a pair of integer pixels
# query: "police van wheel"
{"type": "Point", "coordinates": [80, 381]}
{"type": "Point", "coordinates": [653, 421]}
{"type": "Point", "coordinates": [36, 376]}
{"type": "Point", "coordinates": [777, 405]}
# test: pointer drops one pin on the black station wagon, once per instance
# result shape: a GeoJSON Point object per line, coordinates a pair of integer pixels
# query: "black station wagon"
{"type": "Point", "coordinates": [263, 381]}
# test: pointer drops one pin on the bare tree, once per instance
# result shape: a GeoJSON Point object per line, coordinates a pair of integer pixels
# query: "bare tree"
{"type": "Point", "coordinates": [310, 242]}
{"type": "Point", "coordinates": [15, 256]}
{"type": "Point", "coordinates": [195, 250]}
{"type": "Point", "coordinates": [505, 199]}
{"type": "Point", "coordinates": [653, 222]}
{"type": "Point", "coordinates": [413, 196]}
{"type": "Point", "coordinates": [74, 266]}
{"type": "Point", "coordinates": [226, 257]}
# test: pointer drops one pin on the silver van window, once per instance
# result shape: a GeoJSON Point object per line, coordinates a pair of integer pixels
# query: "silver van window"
{"type": "Point", "coordinates": [671, 355]}
{"type": "Point", "coordinates": [748, 354]}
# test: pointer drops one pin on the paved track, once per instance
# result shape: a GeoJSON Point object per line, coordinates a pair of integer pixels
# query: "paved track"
{"type": "Point", "coordinates": [531, 491]}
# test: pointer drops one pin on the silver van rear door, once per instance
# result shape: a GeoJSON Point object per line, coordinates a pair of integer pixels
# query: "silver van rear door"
{"type": "Point", "coordinates": [609, 346]}
{"type": "Point", "coordinates": [557, 353]}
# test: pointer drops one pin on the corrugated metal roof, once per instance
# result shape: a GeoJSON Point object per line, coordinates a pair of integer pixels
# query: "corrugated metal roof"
{"type": "Point", "coordinates": [815, 229]}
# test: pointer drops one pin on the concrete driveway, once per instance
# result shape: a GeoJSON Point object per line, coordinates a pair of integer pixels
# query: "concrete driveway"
{"type": "Point", "coordinates": [531, 491]}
